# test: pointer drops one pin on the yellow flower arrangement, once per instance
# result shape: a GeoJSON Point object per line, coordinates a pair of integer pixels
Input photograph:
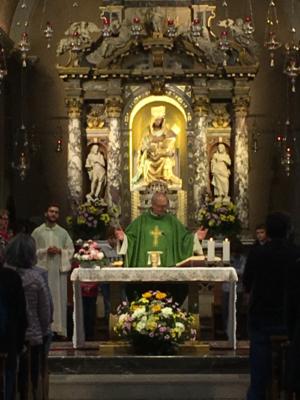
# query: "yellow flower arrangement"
{"type": "Point", "coordinates": [160, 295]}
{"type": "Point", "coordinates": [91, 219]}
{"type": "Point", "coordinates": [154, 319]}
{"type": "Point", "coordinates": [219, 218]}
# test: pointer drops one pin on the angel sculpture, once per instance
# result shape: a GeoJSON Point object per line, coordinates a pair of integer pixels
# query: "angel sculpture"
{"type": "Point", "coordinates": [77, 40]}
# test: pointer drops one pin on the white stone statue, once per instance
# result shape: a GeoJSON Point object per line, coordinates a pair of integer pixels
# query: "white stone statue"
{"type": "Point", "coordinates": [157, 20]}
{"type": "Point", "coordinates": [95, 165]}
{"type": "Point", "coordinates": [220, 164]}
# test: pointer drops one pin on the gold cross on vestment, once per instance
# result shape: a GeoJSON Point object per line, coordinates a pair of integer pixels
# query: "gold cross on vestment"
{"type": "Point", "coordinates": [156, 233]}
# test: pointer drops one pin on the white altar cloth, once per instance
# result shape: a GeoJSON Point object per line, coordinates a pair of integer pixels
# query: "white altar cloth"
{"type": "Point", "coordinates": [173, 274]}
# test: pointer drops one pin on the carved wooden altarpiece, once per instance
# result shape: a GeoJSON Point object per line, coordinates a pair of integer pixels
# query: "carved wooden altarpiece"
{"type": "Point", "coordinates": [149, 54]}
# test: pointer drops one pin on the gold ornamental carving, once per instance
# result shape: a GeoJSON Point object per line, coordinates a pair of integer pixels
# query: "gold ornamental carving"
{"type": "Point", "coordinates": [158, 57]}
{"type": "Point", "coordinates": [158, 87]}
{"type": "Point", "coordinates": [241, 105]}
{"type": "Point", "coordinates": [158, 46]}
{"type": "Point", "coordinates": [114, 106]}
{"type": "Point", "coordinates": [74, 105]}
{"type": "Point", "coordinates": [96, 118]}
{"type": "Point", "coordinates": [201, 106]}
{"type": "Point", "coordinates": [220, 117]}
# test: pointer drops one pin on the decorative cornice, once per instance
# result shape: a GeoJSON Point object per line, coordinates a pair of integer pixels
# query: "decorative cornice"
{"type": "Point", "coordinates": [73, 72]}
{"type": "Point", "coordinates": [88, 73]}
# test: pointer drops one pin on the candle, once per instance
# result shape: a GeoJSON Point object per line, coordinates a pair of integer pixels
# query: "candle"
{"type": "Point", "coordinates": [211, 250]}
{"type": "Point", "coordinates": [226, 251]}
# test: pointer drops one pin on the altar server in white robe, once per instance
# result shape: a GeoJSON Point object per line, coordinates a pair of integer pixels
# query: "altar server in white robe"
{"type": "Point", "coordinates": [54, 252]}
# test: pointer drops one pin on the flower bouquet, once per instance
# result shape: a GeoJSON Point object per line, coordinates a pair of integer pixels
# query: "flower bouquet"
{"type": "Point", "coordinates": [220, 219]}
{"type": "Point", "coordinates": [89, 221]}
{"type": "Point", "coordinates": [154, 324]}
{"type": "Point", "coordinates": [90, 254]}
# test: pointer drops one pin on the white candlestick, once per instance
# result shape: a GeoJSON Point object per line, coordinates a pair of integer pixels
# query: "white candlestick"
{"type": "Point", "coordinates": [226, 251]}
{"type": "Point", "coordinates": [211, 250]}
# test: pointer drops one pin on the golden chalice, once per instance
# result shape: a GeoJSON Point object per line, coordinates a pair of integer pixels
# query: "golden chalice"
{"type": "Point", "coordinates": [154, 258]}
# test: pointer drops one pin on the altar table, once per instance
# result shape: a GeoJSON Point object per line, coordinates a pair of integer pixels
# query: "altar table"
{"type": "Point", "coordinates": [115, 276]}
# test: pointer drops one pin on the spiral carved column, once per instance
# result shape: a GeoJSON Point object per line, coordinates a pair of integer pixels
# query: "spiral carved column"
{"type": "Point", "coordinates": [74, 175]}
{"type": "Point", "coordinates": [201, 163]}
{"type": "Point", "coordinates": [241, 159]}
{"type": "Point", "coordinates": [114, 157]}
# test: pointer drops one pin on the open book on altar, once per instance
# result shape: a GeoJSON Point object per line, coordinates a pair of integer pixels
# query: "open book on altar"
{"type": "Point", "coordinates": [194, 261]}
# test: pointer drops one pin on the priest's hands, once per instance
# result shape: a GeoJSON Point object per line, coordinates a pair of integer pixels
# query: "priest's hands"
{"type": "Point", "coordinates": [119, 234]}
{"type": "Point", "coordinates": [201, 233]}
{"type": "Point", "coordinates": [52, 250]}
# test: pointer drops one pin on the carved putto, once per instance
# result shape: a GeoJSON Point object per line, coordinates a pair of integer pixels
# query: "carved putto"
{"type": "Point", "coordinates": [219, 118]}
{"type": "Point", "coordinates": [111, 45]}
{"type": "Point", "coordinates": [96, 117]}
{"type": "Point", "coordinates": [77, 40]}
{"type": "Point", "coordinates": [128, 31]}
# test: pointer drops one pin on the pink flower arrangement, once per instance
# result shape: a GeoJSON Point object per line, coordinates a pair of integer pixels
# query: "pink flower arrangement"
{"type": "Point", "coordinates": [89, 251]}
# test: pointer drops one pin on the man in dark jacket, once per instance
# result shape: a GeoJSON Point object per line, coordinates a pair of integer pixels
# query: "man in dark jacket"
{"type": "Point", "coordinates": [266, 279]}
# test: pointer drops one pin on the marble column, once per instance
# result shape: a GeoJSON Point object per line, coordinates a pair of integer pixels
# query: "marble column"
{"type": "Point", "coordinates": [74, 175]}
{"type": "Point", "coordinates": [241, 160]}
{"type": "Point", "coordinates": [201, 163]}
{"type": "Point", "coordinates": [114, 156]}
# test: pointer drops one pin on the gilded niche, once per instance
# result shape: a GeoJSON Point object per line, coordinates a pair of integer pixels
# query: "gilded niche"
{"type": "Point", "coordinates": [156, 146]}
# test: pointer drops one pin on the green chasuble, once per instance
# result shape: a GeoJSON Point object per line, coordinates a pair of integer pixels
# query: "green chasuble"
{"type": "Point", "coordinates": [162, 233]}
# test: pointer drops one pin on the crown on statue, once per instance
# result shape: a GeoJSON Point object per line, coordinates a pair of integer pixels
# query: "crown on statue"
{"type": "Point", "coordinates": [158, 112]}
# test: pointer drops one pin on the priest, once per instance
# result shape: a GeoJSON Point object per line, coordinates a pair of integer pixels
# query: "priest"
{"type": "Point", "coordinates": [158, 230]}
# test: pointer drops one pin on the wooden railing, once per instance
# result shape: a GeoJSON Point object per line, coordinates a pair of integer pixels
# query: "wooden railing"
{"type": "Point", "coordinates": [2, 376]}
{"type": "Point", "coordinates": [24, 388]}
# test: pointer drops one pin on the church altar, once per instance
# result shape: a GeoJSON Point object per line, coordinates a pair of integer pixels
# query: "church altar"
{"type": "Point", "coordinates": [116, 276]}
{"type": "Point", "coordinates": [158, 105]}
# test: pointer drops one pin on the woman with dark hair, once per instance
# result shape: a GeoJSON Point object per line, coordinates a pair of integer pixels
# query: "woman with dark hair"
{"type": "Point", "coordinates": [21, 256]}
{"type": "Point", "coordinates": [13, 324]}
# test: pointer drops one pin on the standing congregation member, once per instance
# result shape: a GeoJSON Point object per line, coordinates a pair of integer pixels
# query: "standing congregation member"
{"type": "Point", "coordinates": [54, 252]}
{"type": "Point", "coordinates": [293, 324]}
{"type": "Point", "coordinates": [266, 279]}
{"type": "Point", "coordinates": [21, 256]}
{"type": "Point", "coordinates": [5, 234]}
{"type": "Point", "coordinates": [13, 324]}
{"type": "Point", "coordinates": [158, 230]}
{"type": "Point", "coordinates": [260, 234]}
